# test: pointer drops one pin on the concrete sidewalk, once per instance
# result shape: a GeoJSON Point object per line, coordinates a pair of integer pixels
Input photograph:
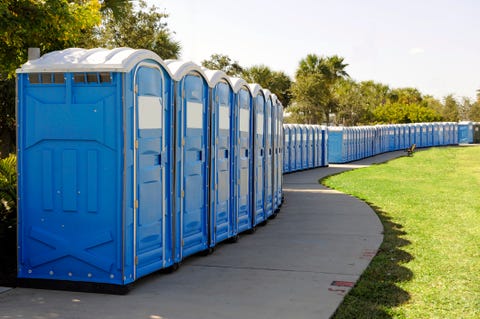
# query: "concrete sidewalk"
{"type": "Point", "coordinates": [301, 265]}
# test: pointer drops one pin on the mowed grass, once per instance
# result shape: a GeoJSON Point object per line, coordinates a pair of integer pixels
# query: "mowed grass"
{"type": "Point", "coordinates": [429, 263]}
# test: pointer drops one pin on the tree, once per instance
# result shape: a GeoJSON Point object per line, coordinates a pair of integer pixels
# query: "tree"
{"type": "Point", "coordinates": [310, 95]}
{"type": "Point", "coordinates": [357, 101]}
{"type": "Point", "coordinates": [49, 25]}
{"type": "Point", "coordinates": [118, 8]}
{"type": "Point", "coordinates": [474, 113]}
{"type": "Point", "coordinates": [396, 112]}
{"type": "Point", "coordinates": [464, 108]}
{"type": "Point", "coordinates": [317, 75]}
{"type": "Point", "coordinates": [144, 28]}
{"type": "Point", "coordinates": [223, 63]}
{"type": "Point", "coordinates": [405, 96]}
{"type": "Point", "coordinates": [277, 82]}
{"type": "Point", "coordinates": [450, 111]}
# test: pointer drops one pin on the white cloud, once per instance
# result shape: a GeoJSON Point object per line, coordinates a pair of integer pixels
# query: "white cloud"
{"type": "Point", "coordinates": [415, 51]}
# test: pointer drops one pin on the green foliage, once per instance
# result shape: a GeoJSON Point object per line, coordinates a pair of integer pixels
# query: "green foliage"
{"type": "Point", "coordinates": [450, 112]}
{"type": "Point", "coordinates": [314, 88]}
{"type": "Point", "coordinates": [8, 190]}
{"type": "Point", "coordinates": [49, 25]}
{"type": "Point", "coordinates": [144, 28]}
{"type": "Point", "coordinates": [428, 265]}
{"type": "Point", "coordinates": [474, 112]}
{"type": "Point", "coordinates": [277, 82]}
{"type": "Point", "coordinates": [358, 100]}
{"type": "Point", "coordinates": [7, 116]}
{"type": "Point", "coordinates": [118, 8]}
{"type": "Point", "coordinates": [397, 112]}
{"type": "Point", "coordinates": [223, 63]}
{"type": "Point", "coordinates": [310, 94]}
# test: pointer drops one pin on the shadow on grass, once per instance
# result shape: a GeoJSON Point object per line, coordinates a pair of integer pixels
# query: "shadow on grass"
{"type": "Point", "coordinates": [377, 289]}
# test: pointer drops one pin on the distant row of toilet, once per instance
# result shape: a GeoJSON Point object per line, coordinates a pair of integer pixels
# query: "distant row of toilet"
{"type": "Point", "coordinates": [346, 144]}
{"type": "Point", "coordinates": [305, 147]}
{"type": "Point", "coordinates": [128, 164]}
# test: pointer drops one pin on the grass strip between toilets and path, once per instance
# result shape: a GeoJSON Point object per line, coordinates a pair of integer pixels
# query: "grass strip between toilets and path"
{"type": "Point", "coordinates": [428, 265]}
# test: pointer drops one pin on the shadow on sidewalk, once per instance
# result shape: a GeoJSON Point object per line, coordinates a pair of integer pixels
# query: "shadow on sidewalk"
{"type": "Point", "coordinates": [377, 289]}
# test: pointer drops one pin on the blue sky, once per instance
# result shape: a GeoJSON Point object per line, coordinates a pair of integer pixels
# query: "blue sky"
{"type": "Point", "coordinates": [433, 46]}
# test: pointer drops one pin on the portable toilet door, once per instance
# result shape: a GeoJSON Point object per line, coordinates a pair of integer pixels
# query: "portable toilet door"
{"type": "Point", "coordinates": [268, 154]}
{"type": "Point", "coordinates": [441, 133]}
{"type": "Point", "coordinates": [222, 215]}
{"type": "Point", "coordinates": [275, 153]}
{"type": "Point", "coordinates": [287, 146]}
{"type": "Point", "coordinates": [311, 143]}
{"type": "Point", "coordinates": [280, 150]}
{"type": "Point", "coordinates": [435, 139]}
{"type": "Point", "coordinates": [317, 146]}
{"type": "Point", "coordinates": [258, 180]}
{"type": "Point", "coordinates": [299, 147]}
{"type": "Point", "coordinates": [336, 145]}
{"type": "Point", "coordinates": [304, 132]}
{"type": "Point", "coordinates": [293, 147]}
{"type": "Point", "coordinates": [243, 157]}
{"type": "Point", "coordinates": [324, 146]}
{"type": "Point", "coordinates": [92, 206]}
{"type": "Point", "coordinates": [191, 162]}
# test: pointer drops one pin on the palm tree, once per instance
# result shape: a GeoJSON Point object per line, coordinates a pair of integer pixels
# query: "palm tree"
{"type": "Point", "coordinates": [325, 71]}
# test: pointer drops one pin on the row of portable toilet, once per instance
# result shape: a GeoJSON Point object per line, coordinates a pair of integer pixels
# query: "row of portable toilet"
{"type": "Point", "coordinates": [305, 147]}
{"type": "Point", "coordinates": [346, 144]}
{"type": "Point", "coordinates": [128, 164]}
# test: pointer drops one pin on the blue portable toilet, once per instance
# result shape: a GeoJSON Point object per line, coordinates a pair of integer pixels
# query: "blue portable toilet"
{"type": "Point", "coordinates": [408, 135]}
{"type": "Point", "coordinates": [418, 134]}
{"type": "Point", "coordinates": [441, 134]}
{"type": "Point", "coordinates": [465, 132]}
{"type": "Point", "coordinates": [298, 147]}
{"type": "Point", "coordinates": [286, 148]}
{"type": "Point", "coordinates": [424, 134]}
{"type": "Point", "coordinates": [429, 134]}
{"type": "Point", "coordinates": [192, 149]}
{"type": "Point", "coordinates": [446, 132]}
{"type": "Point", "coordinates": [391, 138]}
{"type": "Point", "coordinates": [243, 159]}
{"type": "Point", "coordinates": [268, 154]}
{"type": "Point", "coordinates": [310, 146]}
{"type": "Point", "coordinates": [258, 180]}
{"type": "Point", "coordinates": [435, 137]}
{"type": "Point", "coordinates": [336, 145]}
{"type": "Point", "coordinates": [222, 222]}
{"type": "Point", "coordinates": [280, 149]}
{"type": "Point", "coordinates": [304, 144]}
{"type": "Point", "coordinates": [293, 147]}
{"type": "Point", "coordinates": [94, 160]}
{"type": "Point", "coordinates": [401, 128]}
{"type": "Point", "coordinates": [317, 146]}
{"type": "Point", "coordinates": [324, 146]}
{"type": "Point", "coordinates": [455, 133]}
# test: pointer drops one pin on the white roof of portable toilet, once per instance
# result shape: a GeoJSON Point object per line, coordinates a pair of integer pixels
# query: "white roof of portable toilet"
{"type": "Point", "coordinates": [90, 60]}
{"type": "Point", "coordinates": [179, 69]}
{"type": "Point", "coordinates": [255, 89]}
{"type": "Point", "coordinates": [215, 76]}
{"type": "Point", "coordinates": [267, 93]}
{"type": "Point", "coordinates": [238, 83]}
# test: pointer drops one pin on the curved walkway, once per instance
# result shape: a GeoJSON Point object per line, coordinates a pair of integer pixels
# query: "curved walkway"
{"type": "Point", "coordinates": [300, 266]}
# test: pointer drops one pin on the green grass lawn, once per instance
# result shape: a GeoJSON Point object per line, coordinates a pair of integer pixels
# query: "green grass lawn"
{"type": "Point", "coordinates": [429, 263]}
